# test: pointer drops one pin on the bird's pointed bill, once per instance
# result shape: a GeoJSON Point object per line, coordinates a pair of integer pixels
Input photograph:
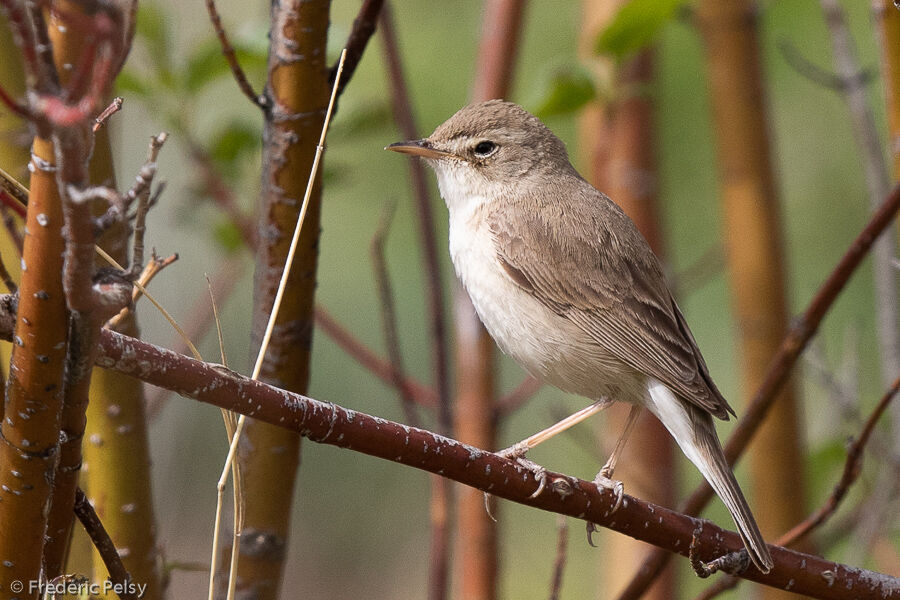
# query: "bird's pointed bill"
{"type": "Point", "coordinates": [421, 148]}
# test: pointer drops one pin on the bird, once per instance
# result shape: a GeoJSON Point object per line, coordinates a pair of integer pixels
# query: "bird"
{"type": "Point", "coordinates": [568, 287]}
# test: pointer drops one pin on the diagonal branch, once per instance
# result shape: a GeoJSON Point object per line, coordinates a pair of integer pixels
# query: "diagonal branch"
{"type": "Point", "coordinates": [240, 76]}
{"type": "Point", "coordinates": [363, 27]}
{"type": "Point", "coordinates": [328, 423]}
{"type": "Point", "coordinates": [118, 574]}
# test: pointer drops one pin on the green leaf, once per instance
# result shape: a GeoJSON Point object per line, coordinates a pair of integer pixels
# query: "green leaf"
{"type": "Point", "coordinates": [234, 141]}
{"type": "Point", "coordinates": [567, 91]}
{"type": "Point", "coordinates": [152, 28]}
{"type": "Point", "coordinates": [227, 235]}
{"type": "Point", "coordinates": [635, 26]}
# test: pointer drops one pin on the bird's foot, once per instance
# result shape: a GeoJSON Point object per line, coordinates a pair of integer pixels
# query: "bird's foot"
{"type": "Point", "coordinates": [604, 482]}
{"type": "Point", "coordinates": [516, 452]}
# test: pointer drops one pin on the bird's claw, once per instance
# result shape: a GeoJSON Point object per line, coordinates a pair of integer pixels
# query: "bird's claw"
{"type": "Point", "coordinates": [616, 487]}
{"type": "Point", "coordinates": [516, 452]}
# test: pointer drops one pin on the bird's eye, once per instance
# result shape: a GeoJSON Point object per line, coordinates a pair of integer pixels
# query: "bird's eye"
{"type": "Point", "coordinates": [485, 148]}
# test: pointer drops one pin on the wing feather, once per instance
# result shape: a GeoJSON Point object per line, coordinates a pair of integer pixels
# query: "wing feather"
{"type": "Point", "coordinates": [602, 275]}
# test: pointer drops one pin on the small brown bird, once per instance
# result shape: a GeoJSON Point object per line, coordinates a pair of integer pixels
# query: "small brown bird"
{"type": "Point", "coordinates": [566, 285]}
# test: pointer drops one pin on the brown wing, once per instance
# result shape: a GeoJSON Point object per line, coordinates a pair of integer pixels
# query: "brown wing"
{"type": "Point", "coordinates": [584, 258]}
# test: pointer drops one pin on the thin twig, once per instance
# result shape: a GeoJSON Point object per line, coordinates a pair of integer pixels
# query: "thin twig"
{"type": "Point", "coordinates": [105, 546]}
{"type": "Point", "coordinates": [151, 270]}
{"type": "Point", "coordinates": [559, 565]}
{"type": "Point", "coordinates": [6, 279]}
{"type": "Point", "coordinates": [780, 366]}
{"type": "Point", "coordinates": [228, 50]}
{"type": "Point", "coordinates": [363, 28]}
{"type": "Point", "coordinates": [389, 314]}
{"type": "Point", "coordinates": [403, 115]}
{"type": "Point", "coordinates": [114, 107]}
{"type": "Point", "coordinates": [12, 228]}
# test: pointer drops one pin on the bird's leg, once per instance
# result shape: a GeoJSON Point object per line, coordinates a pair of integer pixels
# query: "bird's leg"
{"type": "Point", "coordinates": [604, 478]}
{"type": "Point", "coordinates": [517, 451]}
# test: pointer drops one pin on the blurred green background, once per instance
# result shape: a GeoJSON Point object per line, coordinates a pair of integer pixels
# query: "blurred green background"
{"type": "Point", "coordinates": [361, 525]}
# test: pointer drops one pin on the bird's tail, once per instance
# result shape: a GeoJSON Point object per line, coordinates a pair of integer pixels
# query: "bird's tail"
{"type": "Point", "coordinates": [695, 433]}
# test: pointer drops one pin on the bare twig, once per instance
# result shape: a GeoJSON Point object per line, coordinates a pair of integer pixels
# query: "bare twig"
{"type": "Point", "coordinates": [105, 546]}
{"type": "Point", "coordinates": [817, 74]}
{"type": "Point", "coordinates": [363, 28]}
{"type": "Point", "coordinates": [389, 314]}
{"type": "Point", "coordinates": [403, 115]}
{"type": "Point", "coordinates": [12, 228]}
{"type": "Point", "coordinates": [151, 269]}
{"type": "Point", "coordinates": [228, 50]}
{"type": "Point", "coordinates": [114, 107]}
{"type": "Point", "coordinates": [13, 105]}
{"type": "Point", "coordinates": [6, 279]}
{"type": "Point", "coordinates": [780, 366]}
{"type": "Point", "coordinates": [559, 565]}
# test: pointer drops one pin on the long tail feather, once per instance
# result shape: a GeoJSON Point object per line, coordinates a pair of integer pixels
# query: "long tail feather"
{"type": "Point", "coordinates": [695, 433]}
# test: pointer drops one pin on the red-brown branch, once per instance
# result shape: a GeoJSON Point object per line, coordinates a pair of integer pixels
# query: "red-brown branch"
{"type": "Point", "coordinates": [118, 574]}
{"type": "Point", "coordinates": [363, 28]}
{"type": "Point", "coordinates": [325, 422]}
{"type": "Point", "coordinates": [228, 51]}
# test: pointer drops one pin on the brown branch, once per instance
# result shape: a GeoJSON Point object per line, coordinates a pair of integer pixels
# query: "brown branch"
{"type": "Point", "coordinates": [12, 229]}
{"type": "Point", "coordinates": [852, 469]}
{"type": "Point", "coordinates": [389, 314]}
{"type": "Point", "coordinates": [780, 366]}
{"type": "Point", "coordinates": [403, 115]}
{"type": "Point", "coordinates": [423, 395]}
{"type": "Point", "coordinates": [363, 28]}
{"type": "Point", "coordinates": [328, 423]}
{"type": "Point", "coordinates": [6, 278]}
{"type": "Point", "coordinates": [559, 565]}
{"type": "Point", "coordinates": [118, 574]}
{"type": "Point", "coordinates": [228, 51]}
{"type": "Point", "coordinates": [14, 106]}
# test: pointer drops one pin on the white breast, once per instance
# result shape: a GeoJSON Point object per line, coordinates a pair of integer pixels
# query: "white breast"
{"type": "Point", "coordinates": [547, 345]}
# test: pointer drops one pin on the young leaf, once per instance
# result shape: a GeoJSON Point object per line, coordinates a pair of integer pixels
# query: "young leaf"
{"type": "Point", "coordinates": [567, 91]}
{"type": "Point", "coordinates": [635, 26]}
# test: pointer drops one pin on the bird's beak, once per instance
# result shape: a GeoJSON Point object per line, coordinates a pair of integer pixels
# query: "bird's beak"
{"type": "Point", "coordinates": [421, 148]}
